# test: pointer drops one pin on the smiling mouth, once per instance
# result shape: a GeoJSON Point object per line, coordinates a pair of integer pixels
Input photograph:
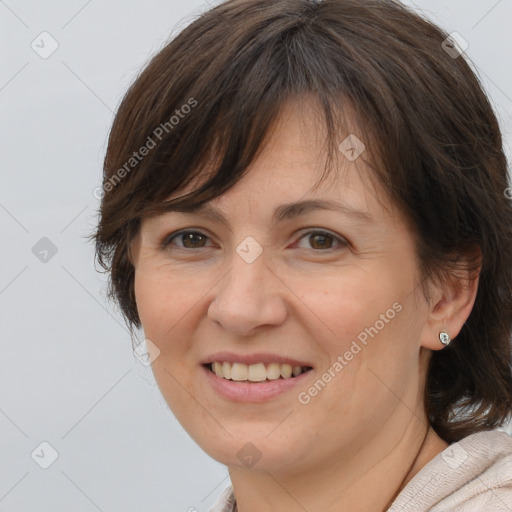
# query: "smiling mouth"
{"type": "Point", "coordinates": [258, 372]}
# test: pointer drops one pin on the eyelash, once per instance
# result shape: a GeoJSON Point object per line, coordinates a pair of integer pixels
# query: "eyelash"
{"type": "Point", "coordinates": [341, 242]}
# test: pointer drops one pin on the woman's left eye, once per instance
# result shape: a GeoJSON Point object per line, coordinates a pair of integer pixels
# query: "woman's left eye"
{"type": "Point", "coordinates": [322, 238]}
{"type": "Point", "coordinates": [319, 240]}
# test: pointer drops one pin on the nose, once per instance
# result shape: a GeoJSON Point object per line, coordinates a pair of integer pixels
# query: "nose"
{"type": "Point", "coordinates": [248, 297]}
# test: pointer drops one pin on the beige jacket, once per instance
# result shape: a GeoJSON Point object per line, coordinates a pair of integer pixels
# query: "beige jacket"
{"type": "Point", "coordinates": [473, 475]}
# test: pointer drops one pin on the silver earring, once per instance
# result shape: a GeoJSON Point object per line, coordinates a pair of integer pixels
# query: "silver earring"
{"type": "Point", "coordinates": [444, 338]}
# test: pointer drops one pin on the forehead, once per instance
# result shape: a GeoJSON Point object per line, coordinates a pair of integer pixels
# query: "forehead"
{"type": "Point", "coordinates": [293, 163]}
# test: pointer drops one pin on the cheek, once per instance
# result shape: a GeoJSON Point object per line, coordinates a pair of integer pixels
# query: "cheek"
{"type": "Point", "coordinates": [163, 300]}
{"type": "Point", "coordinates": [152, 296]}
{"type": "Point", "coordinates": [354, 307]}
{"type": "Point", "coordinates": [367, 328]}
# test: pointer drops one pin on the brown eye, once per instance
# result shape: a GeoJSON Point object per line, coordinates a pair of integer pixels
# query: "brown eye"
{"type": "Point", "coordinates": [319, 241]}
{"type": "Point", "coordinates": [188, 239]}
{"type": "Point", "coordinates": [192, 240]}
{"type": "Point", "coordinates": [322, 241]}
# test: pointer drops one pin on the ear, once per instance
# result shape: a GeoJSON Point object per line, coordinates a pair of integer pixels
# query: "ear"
{"type": "Point", "coordinates": [451, 304]}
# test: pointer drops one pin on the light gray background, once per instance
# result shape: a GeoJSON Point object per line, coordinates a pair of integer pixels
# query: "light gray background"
{"type": "Point", "coordinates": [67, 372]}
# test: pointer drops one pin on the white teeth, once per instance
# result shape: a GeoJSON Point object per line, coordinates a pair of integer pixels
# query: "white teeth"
{"type": "Point", "coordinates": [254, 372]}
{"type": "Point", "coordinates": [226, 370]}
{"type": "Point", "coordinates": [273, 371]}
{"type": "Point", "coordinates": [286, 371]}
{"type": "Point", "coordinates": [257, 372]}
{"type": "Point", "coordinates": [297, 370]}
{"type": "Point", "coordinates": [217, 368]}
{"type": "Point", "coordinates": [238, 371]}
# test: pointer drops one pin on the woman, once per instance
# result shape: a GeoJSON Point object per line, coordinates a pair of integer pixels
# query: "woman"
{"type": "Point", "coordinates": [307, 211]}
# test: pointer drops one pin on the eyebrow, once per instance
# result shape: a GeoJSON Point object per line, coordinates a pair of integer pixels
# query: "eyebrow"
{"type": "Point", "coordinates": [283, 212]}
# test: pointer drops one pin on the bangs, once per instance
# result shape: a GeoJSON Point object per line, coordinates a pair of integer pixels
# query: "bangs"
{"type": "Point", "coordinates": [239, 89]}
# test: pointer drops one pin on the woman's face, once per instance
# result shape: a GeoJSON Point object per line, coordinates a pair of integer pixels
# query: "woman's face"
{"type": "Point", "coordinates": [332, 289]}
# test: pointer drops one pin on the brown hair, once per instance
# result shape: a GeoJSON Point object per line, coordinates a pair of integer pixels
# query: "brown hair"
{"type": "Point", "coordinates": [215, 91]}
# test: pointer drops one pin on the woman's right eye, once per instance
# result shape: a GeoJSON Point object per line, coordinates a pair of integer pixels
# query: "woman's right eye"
{"type": "Point", "coordinates": [189, 239]}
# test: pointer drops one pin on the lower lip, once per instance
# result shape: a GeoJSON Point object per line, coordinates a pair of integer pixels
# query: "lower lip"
{"type": "Point", "coordinates": [243, 391]}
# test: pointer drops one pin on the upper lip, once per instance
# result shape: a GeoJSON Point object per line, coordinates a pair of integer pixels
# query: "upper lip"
{"type": "Point", "coordinates": [259, 357]}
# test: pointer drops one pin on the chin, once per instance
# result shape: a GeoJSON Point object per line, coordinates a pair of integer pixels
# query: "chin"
{"type": "Point", "coordinates": [252, 452]}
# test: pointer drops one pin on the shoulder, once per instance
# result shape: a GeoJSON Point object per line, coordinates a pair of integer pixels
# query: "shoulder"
{"type": "Point", "coordinates": [472, 474]}
{"type": "Point", "coordinates": [226, 502]}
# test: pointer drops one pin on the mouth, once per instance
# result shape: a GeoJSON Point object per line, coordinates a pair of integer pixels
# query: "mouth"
{"type": "Point", "coordinates": [259, 372]}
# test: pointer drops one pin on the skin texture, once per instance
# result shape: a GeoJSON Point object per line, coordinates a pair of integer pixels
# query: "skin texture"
{"type": "Point", "coordinates": [364, 430]}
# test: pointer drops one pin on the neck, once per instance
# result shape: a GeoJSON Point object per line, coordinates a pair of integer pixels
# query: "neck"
{"type": "Point", "coordinates": [385, 465]}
